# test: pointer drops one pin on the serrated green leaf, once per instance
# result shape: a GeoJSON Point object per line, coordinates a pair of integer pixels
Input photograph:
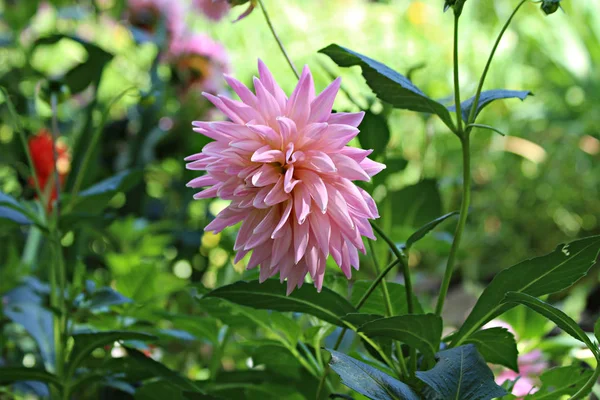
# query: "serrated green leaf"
{"type": "Point", "coordinates": [369, 381]}
{"type": "Point", "coordinates": [561, 381]}
{"type": "Point", "coordinates": [461, 373]}
{"type": "Point", "coordinates": [537, 277]}
{"type": "Point", "coordinates": [422, 331]}
{"type": "Point", "coordinates": [270, 295]}
{"type": "Point", "coordinates": [389, 85]}
{"type": "Point", "coordinates": [425, 229]}
{"type": "Point", "coordinates": [562, 320]}
{"type": "Point", "coordinates": [374, 133]}
{"type": "Point", "coordinates": [497, 346]}
{"type": "Point", "coordinates": [487, 97]}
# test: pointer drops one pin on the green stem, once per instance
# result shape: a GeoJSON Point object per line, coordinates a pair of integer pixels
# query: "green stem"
{"type": "Point", "coordinates": [402, 260]}
{"type": "Point", "coordinates": [489, 62]}
{"type": "Point", "coordinates": [279, 42]}
{"type": "Point", "coordinates": [456, 78]}
{"type": "Point", "coordinates": [464, 209]}
{"type": "Point", "coordinates": [360, 303]}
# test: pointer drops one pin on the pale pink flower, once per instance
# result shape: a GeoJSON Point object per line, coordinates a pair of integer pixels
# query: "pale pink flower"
{"type": "Point", "coordinates": [531, 365]}
{"type": "Point", "coordinates": [213, 9]}
{"type": "Point", "coordinates": [199, 62]}
{"type": "Point", "coordinates": [147, 14]}
{"type": "Point", "coordinates": [285, 166]}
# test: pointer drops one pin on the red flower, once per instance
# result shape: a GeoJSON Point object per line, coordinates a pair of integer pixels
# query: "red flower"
{"type": "Point", "coordinates": [40, 147]}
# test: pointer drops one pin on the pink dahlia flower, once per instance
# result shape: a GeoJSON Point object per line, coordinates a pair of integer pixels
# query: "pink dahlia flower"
{"type": "Point", "coordinates": [531, 365]}
{"type": "Point", "coordinates": [213, 9]}
{"type": "Point", "coordinates": [199, 62]}
{"type": "Point", "coordinates": [147, 14]}
{"type": "Point", "coordinates": [284, 164]}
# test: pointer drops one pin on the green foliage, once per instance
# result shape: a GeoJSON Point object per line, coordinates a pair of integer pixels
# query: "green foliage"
{"type": "Point", "coordinates": [561, 381]}
{"type": "Point", "coordinates": [374, 133]}
{"type": "Point", "coordinates": [497, 346]}
{"type": "Point", "coordinates": [486, 98]}
{"type": "Point", "coordinates": [417, 205]}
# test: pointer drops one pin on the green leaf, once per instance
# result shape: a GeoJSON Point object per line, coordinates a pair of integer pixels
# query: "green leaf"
{"type": "Point", "coordinates": [497, 346]}
{"type": "Point", "coordinates": [86, 73]}
{"type": "Point", "coordinates": [389, 85]}
{"type": "Point", "coordinates": [561, 381]}
{"type": "Point", "coordinates": [374, 133]}
{"type": "Point", "coordinates": [597, 330]}
{"type": "Point", "coordinates": [106, 297]}
{"type": "Point", "coordinates": [461, 373]}
{"type": "Point", "coordinates": [416, 205]}
{"type": "Point", "coordinates": [12, 211]}
{"type": "Point", "coordinates": [158, 390]}
{"type": "Point", "coordinates": [422, 331]}
{"type": "Point", "coordinates": [86, 343]}
{"type": "Point", "coordinates": [369, 381]}
{"type": "Point", "coordinates": [537, 277]}
{"type": "Point", "coordinates": [562, 320]}
{"type": "Point", "coordinates": [270, 295]}
{"type": "Point", "coordinates": [425, 229]}
{"type": "Point", "coordinates": [15, 374]}
{"type": "Point", "coordinates": [487, 97]}
{"type": "Point", "coordinates": [375, 304]}
{"type": "Point", "coordinates": [385, 343]}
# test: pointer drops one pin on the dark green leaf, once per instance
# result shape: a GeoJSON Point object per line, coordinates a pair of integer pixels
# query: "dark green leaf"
{"type": "Point", "coordinates": [86, 343]}
{"type": "Point", "coordinates": [461, 373]}
{"type": "Point", "coordinates": [369, 381]}
{"type": "Point", "coordinates": [14, 374]}
{"type": "Point", "coordinates": [537, 277]}
{"type": "Point", "coordinates": [487, 97]}
{"type": "Point", "coordinates": [497, 346]}
{"type": "Point", "coordinates": [422, 331]}
{"type": "Point", "coordinates": [425, 229]}
{"type": "Point", "coordinates": [375, 304]}
{"type": "Point", "coordinates": [416, 205]}
{"type": "Point", "coordinates": [385, 343]}
{"type": "Point", "coordinates": [37, 321]}
{"type": "Point", "coordinates": [562, 320]}
{"type": "Point", "coordinates": [561, 381]}
{"type": "Point", "coordinates": [374, 133]}
{"type": "Point", "coordinates": [11, 210]}
{"type": "Point", "coordinates": [389, 85]}
{"type": "Point", "coordinates": [270, 295]}
{"type": "Point", "coordinates": [106, 297]}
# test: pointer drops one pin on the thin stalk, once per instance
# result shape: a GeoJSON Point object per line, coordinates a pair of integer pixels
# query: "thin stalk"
{"type": "Point", "coordinates": [402, 260]}
{"type": "Point", "coordinates": [464, 209]}
{"type": "Point", "coordinates": [389, 308]}
{"type": "Point", "coordinates": [360, 303]}
{"type": "Point", "coordinates": [279, 42]}
{"type": "Point", "coordinates": [456, 78]}
{"type": "Point", "coordinates": [489, 62]}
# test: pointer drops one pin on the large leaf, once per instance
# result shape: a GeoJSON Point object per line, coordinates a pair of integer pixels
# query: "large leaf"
{"type": "Point", "coordinates": [375, 304]}
{"type": "Point", "coordinates": [537, 277]}
{"type": "Point", "coordinates": [389, 85]}
{"type": "Point", "coordinates": [86, 343]}
{"type": "Point", "coordinates": [385, 343]}
{"type": "Point", "coordinates": [461, 373]}
{"type": "Point", "coordinates": [422, 331]}
{"type": "Point", "coordinates": [270, 295]}
{"type": "Point", "coordinates": [428, 227]}
{"type": "Point", "coordinates": [374, 133]}
{"type": "Point", "coordinates": [369, 381]}
{"type": "Point", "coordinates": [416, 205]}
{"type": "Point", "coordinates": [487, 97]}
{"type": "Point", "coordinates": [561, 381]}
{"type": "Point", "coordinates": [497, 346]}
{"type": "Point", "coordinates": [555, 315]}
{"type": "Point", "coordinates": [14, 374]}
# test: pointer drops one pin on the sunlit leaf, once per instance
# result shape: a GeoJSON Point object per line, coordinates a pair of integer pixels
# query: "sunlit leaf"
{"type": "Point", "coordinates": [487, 97]}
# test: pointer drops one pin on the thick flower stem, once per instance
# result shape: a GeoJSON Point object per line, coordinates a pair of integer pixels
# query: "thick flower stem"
{"type": "Point", "coordinates": [489, 62]}
{"type": "Point", "coordinates": [456, 78]}
{"type": "Point", "coordinates": [464, 209]}
{"type": "Point", "coordinates": [360, 303]}
{"type": "Point", "coordinates": [279, 42]}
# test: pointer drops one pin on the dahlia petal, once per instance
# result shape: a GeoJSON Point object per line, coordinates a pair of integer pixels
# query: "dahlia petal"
{"type": "Point", "coordinates": [247, 228]}
{"type": "Point", "coordinates": [267, 133]}
{"type": "Point", "coordinates": [372, 167]}
{"type": "Point", "coordinates": [266, 175]}
{"type": "Point", "coordinates": [240, 255]}
{"type": "Point", "coordinates": [356, 154]}
{"type": "Point", "coordinates": [281, 245]}
{"type": "Point", "coordinates": [287, 128]}
{"type": "Point", "coordinates": [316, 187]}
{"type": "Point", "coordinates": [315, 130]}
{"type": "Point", "coordinates": [338, 136]}
{"type": "Point", "coordinates": [207, 193]}
{"type": "Point", "coordinates": [269, 82]}
{"type": "Point", "coordinates": [212, 134]}
{"type": "Point", "coordinates": [311, 259]}
{"type": "Point", "coordinates": [320, 108]}
{"type": "Point", "coordinates": [352, 119]}
{"type": "Point", "coordinates": [265, 272]}
{"type": "Point", "coordinates": [283, 220]}
{"type": "Point", "coordinates": [370, 203]}
{"type": "Point", "coordinates": [288, 181]}
{"type": "Point", "coordinates": [301, 235]}
{"type": "Point", "coordinates": [218, 102]}
{"type": "Point", "coordinates": [349, 168]}
{"type": "Point", "coordinates": [258, 256]}
{"type": "Point", "coordinates": [301, 203]}
{"type": "Point", "coordinates": [267, 104]}
{"type": "Point", "coordinates": [204, 180]}
{"type": "Point", "coordinates": [242, 91]}
{"type": "Point", "coordinates": [320, 162]}
{"type": "Point", "coordinates": [246, 145]}
{"type": "Point", "coordinates": [298, 106]}
{"type": "Point", "coordinates": [266, 154]}
{"type": "Point", "coordinates": [259, 198]}
{"type": "Point", "coordinates": [321, 229]}
{"type": "Point", "coordinates": [277, 194]}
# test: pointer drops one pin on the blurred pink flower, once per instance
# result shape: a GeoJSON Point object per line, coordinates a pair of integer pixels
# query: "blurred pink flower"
{"type": "Point", "coordinates": [199, 62]}
{"type": "Point", "coordinates": [213, 9]}
{"type": "Point", "coordinates": [285, 166]}
{"type": "Point", "coordinates": [531, 365]}
{"type": "Point", "coordinates": [147, 14]}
